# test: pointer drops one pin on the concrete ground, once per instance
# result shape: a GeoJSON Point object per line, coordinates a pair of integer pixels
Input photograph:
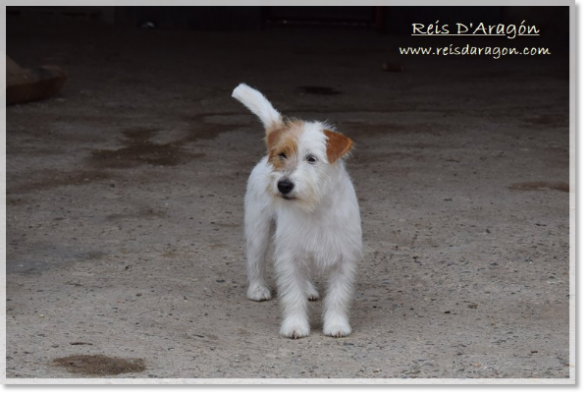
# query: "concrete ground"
{"type": "Point", "coordinates": [124, 206]}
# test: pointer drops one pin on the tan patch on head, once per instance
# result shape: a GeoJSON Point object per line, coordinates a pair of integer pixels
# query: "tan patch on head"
{"type": "Point", "coordinates": [337, 145]}
{"type": "Point", "coordinates": [283, 141]}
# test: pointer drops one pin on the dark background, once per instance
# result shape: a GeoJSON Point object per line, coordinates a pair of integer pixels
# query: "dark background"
{"type": "Point", "coordinates": [395, 20]}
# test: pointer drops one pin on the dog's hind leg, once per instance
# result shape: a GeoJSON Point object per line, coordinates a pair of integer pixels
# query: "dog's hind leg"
{"type": "Point", "coordinates": [257, 223]}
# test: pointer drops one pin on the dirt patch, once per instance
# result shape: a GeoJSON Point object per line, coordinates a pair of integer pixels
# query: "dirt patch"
{"type": "Point", "coordinates": [100, 365]}
{"type": "Point", "coordinates": [204, 129]}
{"type": "Point", "coordinates": [226, 225]}
{"type": "Point", "coordinates": [139, 150]}
{"type": "Point", "coordinates": [364, 158]}
{"type": "Point", "coordinates": [14, 202]}
{"type": "Point", "coordinates": [55, 179]}
{"type": "Point", "coordinates": [361, 129]}
{"type": "Point", "coordinates": [92, 255]}
{"type": "Point", "coordinates": [145, 213]}
{"type": "Point", "coordinates": [549, 120]}
{"type": "Point", "coordinates": [541, 186]}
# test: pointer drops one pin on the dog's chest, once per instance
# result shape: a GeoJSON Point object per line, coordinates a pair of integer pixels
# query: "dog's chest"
{"type": "Point", "coordinates": [324, 239]}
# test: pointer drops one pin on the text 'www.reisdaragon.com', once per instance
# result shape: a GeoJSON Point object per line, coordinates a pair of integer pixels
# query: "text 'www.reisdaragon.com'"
{"type": "Point", "coordinates": [473, 50]}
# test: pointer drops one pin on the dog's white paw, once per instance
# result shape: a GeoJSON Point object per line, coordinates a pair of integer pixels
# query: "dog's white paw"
{"type": "Point", "coordinates": [294, 328]}
{"type": "Point", "coordinates": [258, 292]}
{"type": "Point", "coordinates": [337, 328]}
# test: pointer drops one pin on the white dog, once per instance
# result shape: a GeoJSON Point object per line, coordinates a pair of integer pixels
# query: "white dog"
{"type": "Point", "coordinates": [302, 186]}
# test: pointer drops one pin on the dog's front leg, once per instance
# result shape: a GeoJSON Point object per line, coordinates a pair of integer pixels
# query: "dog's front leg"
{"type": "Point", "coordinates": [291, 286]}
{"type": "Point", "coordinates": [338, 298]}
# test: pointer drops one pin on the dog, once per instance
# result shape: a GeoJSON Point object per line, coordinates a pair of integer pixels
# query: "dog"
{"type": "Point", "coordinates": [302, 187]}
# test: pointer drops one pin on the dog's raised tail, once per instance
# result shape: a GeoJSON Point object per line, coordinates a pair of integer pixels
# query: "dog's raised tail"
{"type": "Point", "coordinates": [258, 104]}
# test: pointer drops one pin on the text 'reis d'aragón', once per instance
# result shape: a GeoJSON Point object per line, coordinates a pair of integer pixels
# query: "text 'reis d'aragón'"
{"type": "Point", "coordinates": [510, 30]}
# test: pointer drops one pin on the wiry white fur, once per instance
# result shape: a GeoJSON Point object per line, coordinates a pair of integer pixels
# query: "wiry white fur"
{"type": "Point", "coordinates": [319, 228]}
{"type": "Point", "coordinates": [258, 104]}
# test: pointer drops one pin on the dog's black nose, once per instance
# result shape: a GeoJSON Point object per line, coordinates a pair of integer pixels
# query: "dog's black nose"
{"type": "Point", "coordinates": [285, 186]}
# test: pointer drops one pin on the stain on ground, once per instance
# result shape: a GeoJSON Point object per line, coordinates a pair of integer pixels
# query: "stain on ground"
{"type": "Point", "coordinates": [549, 120]}
{"type": "Point", "coordinates": [366, 158]}
{"type": "Point", "coordinates": [541, 186]}
{"type": "Point", "coordinates": [100, 365]}
{"type": "Point", "coordinates": [14, 202]}
{"type": "Point", "coordinates": [363, 129]}
{"type": "Point", "coordinates": [54, 179]}
{"type": "Point", "coordinates": [205, 129]}
{"type": "Point", "coordinates": [139, 150]}
{"type": "Point", "coordinates": [319, 90]}
{"type": "Point", "coordinates": [144, 213]}
{"type": "Point", "coordinates": [226, 225]}
{"type": "Point", "coordinates": [92, 255]}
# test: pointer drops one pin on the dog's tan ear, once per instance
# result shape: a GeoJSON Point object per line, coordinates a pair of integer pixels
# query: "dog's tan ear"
{"type": "Point", "coordinates": [337, 145]}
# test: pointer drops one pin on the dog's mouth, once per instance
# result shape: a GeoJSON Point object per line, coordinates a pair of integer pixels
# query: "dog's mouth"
{"type": "Point", "coordinates": [288, 197]}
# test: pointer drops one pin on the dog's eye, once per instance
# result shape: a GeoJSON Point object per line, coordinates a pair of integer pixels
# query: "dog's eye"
{"type": "Point", "coordinates": [311, 159]}
{"type": "Point", "coordinates": [282, 155]}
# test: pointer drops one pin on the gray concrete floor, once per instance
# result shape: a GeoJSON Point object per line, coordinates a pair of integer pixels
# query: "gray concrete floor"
{"type": "Point", "coordinates": [124, 206]}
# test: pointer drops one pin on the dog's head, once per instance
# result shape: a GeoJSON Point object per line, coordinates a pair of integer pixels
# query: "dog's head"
{"type": "Point", "coordinates": [304, 155]}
